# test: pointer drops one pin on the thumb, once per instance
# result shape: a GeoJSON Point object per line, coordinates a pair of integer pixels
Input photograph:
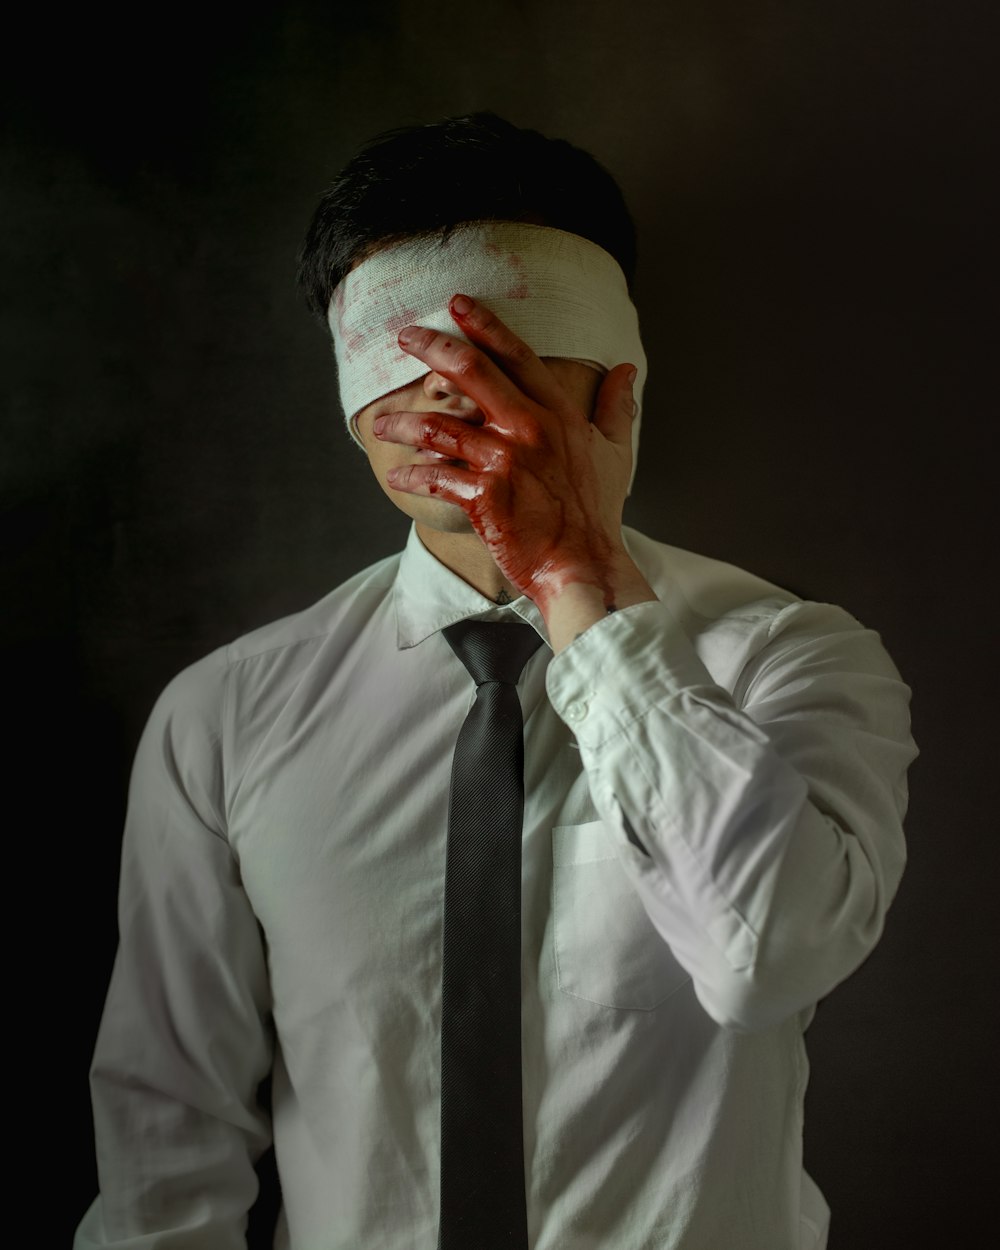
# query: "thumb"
{"type": "Point", "coordinates": [614, 408]}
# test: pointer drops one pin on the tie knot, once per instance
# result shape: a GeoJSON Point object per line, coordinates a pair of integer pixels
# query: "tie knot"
{"type": "Point", "coordinates": [493, 650]}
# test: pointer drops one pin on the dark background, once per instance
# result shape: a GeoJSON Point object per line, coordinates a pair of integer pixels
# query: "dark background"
{"type": "Point", "coordinates": [808, 181]}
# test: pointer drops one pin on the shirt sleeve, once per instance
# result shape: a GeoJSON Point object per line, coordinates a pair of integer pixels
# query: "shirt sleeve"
{"type": "Point", "coordinates": [185, 1038]}
{"type": "Point", "coordinates": [762, 829]}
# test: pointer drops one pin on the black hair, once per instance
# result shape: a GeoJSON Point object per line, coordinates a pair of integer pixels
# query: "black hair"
{"type": "Point", "coordinates": [419, 181]}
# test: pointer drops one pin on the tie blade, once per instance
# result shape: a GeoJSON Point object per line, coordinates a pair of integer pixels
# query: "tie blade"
{"type": "Point", "coordinates": [483, 1204]}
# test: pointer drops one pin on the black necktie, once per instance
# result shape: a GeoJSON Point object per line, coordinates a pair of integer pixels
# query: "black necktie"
{"type": "Point", "coordinates": [482, 1152]}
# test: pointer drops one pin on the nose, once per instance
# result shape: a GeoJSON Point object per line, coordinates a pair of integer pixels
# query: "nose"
{"type": "Point", "coordinates": [442, 390]}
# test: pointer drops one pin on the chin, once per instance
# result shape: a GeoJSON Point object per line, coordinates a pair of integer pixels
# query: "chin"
{"type": "Point", "coordinates": [446, 518]}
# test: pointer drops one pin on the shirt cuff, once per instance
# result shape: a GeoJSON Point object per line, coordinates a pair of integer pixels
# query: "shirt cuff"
{"type": "Point", "coordinates": [615, 671]}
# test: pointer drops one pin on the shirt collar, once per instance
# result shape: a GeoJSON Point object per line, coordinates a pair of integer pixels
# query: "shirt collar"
{"type": "Point", "coordinates": [429, 597]}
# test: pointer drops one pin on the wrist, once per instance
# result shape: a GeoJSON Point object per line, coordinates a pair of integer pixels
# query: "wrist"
{"type": "Point", "coordinates": [581, 597]}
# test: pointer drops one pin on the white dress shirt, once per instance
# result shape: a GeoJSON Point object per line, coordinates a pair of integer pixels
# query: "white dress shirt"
{"type": "Point", "coordinates": [715, 784]}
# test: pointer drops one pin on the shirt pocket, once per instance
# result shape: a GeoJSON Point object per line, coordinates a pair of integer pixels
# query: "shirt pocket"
{"type": "Point", "coordinates": [607, 950]}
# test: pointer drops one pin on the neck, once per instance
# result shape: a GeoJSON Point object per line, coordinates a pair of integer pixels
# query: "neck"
{"type": "Point", "coordinates": [466, 556]}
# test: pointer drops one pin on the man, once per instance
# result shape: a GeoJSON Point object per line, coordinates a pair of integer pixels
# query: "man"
{"type": "Point", "coordinates": [713, 787]}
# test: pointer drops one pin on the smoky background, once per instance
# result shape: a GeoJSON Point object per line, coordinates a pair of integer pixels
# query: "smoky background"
{"type": "Point", "coordinates": [809, 183]}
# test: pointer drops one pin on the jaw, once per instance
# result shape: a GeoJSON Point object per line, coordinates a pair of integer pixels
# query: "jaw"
{"type": "Point", "coordinates": [442, 518]}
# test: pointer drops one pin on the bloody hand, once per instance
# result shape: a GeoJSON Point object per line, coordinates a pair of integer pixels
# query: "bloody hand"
{"type": "Point", "coordinates": [542, 484]}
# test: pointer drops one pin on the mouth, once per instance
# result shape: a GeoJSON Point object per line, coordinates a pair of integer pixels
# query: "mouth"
{"type": "Point", "coordinates": [437, 457]}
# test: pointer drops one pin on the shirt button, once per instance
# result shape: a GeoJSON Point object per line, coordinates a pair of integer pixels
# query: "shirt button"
{"type": "Point", "coordinates": [576, 710]}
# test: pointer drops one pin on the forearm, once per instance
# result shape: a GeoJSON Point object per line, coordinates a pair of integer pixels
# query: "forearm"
{"type": "Point", "coordinates": [183, 1045]}
{"type": "Point", "coordinates": [770, 851]}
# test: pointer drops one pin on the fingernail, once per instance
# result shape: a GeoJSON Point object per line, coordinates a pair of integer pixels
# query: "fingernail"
{"type": "Point", "coordinates": [390, 475]}
{"type": "Point", "coordinates": [462, 305]}
{"type": "Point", "coordinates": [379, 425]}
{"type": "Point", "coordinates": [633, 373]}
{"type": "Point", "coordinates": [404, 336]}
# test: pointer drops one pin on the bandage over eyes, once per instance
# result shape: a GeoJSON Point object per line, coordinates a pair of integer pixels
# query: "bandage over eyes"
{"type": "Point", "coordinates": [563, 295]}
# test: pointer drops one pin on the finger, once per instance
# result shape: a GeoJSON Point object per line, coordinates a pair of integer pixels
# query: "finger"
{"type": "Point", "coordinates": [437, 431]}
{"type": "Point", "coordinates": [511, 353]}
{"type": "Point", "coordinates": [614, 410]}
{"type": "Point", "coordinates": [497, 396]}
{"type": "Point", "coordinates": [441, 481]}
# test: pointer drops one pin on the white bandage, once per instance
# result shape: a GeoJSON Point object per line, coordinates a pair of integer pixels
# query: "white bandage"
{"type": "Point", "coordinates": [563, 295]}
